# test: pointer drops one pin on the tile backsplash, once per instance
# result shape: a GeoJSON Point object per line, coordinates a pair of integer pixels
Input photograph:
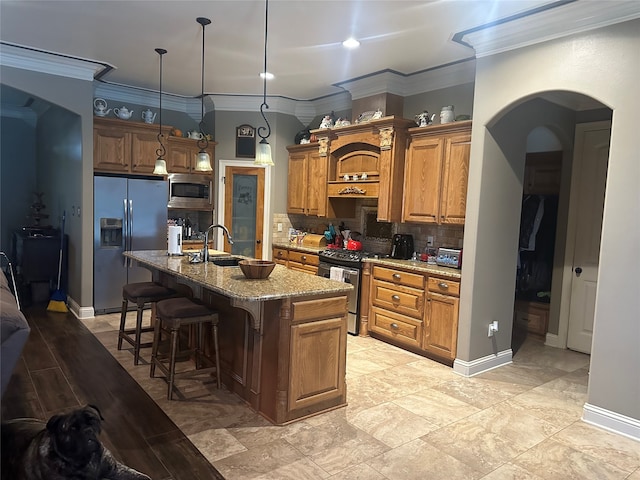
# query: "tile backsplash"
{"type": "Point", "coordinates": [443, 235]}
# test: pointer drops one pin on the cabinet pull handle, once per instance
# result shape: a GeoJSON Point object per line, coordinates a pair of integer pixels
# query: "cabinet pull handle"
{"type": "Point", "coordinates": [397, 276]}
{"type": "Point", "coordinates": [395, 298]}
{"type": "Point", "coordinates": [443, 285]}
{"type": "Point", "coordinates": [394, 326]}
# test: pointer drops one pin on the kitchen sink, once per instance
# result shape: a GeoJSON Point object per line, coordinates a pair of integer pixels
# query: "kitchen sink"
{"type": "Point", "coordinates": [225, 261]}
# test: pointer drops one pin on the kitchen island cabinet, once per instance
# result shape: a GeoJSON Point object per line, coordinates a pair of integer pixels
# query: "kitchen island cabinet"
{"type": "Point", "coordinates": [282, 339]}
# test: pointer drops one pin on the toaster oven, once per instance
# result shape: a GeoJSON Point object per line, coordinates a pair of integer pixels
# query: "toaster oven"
{"type": "Point", "coordinates": [449, 257]}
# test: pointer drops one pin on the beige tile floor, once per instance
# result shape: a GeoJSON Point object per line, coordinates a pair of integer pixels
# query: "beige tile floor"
{"type": "Point", "coordinates": [408, 418]}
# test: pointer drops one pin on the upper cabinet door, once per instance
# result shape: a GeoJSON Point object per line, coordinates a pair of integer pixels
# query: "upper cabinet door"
{"type": "Point", "coordinates": [455, 179]}
{"type": "Point", "coordinates": [297, 183]}
{"type": "Point", "coordinates": [111, 150]}
{"type": "Point", "coordinates": [422, 180]}
{"type": "Point", "coordinates": [316, 184]}
{"type": "Point", "coordinates": [143, 152]}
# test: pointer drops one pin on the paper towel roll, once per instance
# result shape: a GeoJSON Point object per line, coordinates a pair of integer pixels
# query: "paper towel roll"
{"type": "Point", "coordinates": [175, 240]}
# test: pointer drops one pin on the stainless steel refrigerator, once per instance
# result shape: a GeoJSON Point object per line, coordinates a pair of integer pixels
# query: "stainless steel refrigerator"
{"type": "Point", "coordinates": [129, 214]}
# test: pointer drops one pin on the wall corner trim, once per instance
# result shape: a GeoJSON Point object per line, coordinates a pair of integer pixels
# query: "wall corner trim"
{"type": "Point", "coordinates": [481, 365]}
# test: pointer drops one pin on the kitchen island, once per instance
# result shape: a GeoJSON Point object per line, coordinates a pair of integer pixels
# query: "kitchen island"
{"type": "Point", "coordinates": [282, 339]}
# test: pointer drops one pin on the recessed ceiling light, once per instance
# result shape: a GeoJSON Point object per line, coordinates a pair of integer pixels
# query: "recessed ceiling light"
{"type": "Point", "coordinates": [270, 76]}
{"type": "Point", "coordinates": [351, 43]}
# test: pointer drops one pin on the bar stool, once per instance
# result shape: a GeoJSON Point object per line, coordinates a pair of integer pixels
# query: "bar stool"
{"type": "Point", "coordinates": [139, 293]}
{"type": "Point", "coordinates": [171, 314]}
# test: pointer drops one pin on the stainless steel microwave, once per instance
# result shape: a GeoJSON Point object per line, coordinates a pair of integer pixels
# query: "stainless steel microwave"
{"type": "Point", "coordinates": [190, 192]}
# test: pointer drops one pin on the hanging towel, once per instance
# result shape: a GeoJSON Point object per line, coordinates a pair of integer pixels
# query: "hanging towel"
{"type": "Point", "coordinates": [336, 273]}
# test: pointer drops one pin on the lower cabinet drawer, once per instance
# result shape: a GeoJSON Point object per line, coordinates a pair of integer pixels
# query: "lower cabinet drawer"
{"type": "Point", "coordinates": [313, 270]}
{"type": "Point", "coordinates": [398, 298]}
{"type": "Point", "coordinates": [402, 329]}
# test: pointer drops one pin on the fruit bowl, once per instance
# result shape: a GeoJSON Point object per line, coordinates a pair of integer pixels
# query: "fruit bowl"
{"type": "Point", "coordinates": [256, 269]}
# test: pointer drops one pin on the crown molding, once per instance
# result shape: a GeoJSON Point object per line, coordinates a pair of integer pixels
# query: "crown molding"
{"type": "Point", "coordinates": [555, 20]}
{"type": "Point", "coordinates": [141, 96]}
{"type": "Point", "coordinates": [52, 63]}
{"type": "Point", "coordinates": [404, 85]}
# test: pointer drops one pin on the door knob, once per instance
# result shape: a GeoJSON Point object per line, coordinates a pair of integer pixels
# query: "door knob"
{"type": "Point", "coordinates": [578, 271]}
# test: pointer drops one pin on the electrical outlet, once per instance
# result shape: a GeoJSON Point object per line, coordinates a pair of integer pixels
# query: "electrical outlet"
{"type": "Point", "coordinates": [279, 227]}
{"type": "Point", "coordinates": [430, 241]}
{"type": "Point", "coordinates": [493, 327]}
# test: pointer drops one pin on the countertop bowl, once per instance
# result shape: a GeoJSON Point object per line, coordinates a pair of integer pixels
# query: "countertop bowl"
{"type": "Point", "coordinates": [256, 269]}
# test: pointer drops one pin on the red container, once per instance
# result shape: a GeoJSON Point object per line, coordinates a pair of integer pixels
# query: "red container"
{"type": "Point", "coordinates": [354, 245]}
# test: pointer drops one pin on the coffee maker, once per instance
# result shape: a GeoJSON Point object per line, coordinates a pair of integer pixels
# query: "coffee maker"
{"type": "Point", "coordinates": [402, 246]}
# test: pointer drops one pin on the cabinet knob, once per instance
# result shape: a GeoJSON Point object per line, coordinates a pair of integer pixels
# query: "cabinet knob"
{"type": "Point", "coordinates": [397, 276]}
{"type": "Point", "coordinates": [394, 326]}
{"type": "Point", "coordinates": [443, 285]}
{"type": "Point", "coordinates": [304, 258]}
{"type": "Point", "coordinates": [395, 298]}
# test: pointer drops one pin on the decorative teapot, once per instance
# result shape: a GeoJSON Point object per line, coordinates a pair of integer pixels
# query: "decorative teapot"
{"type": "Point", "coordinates": [195, 135]}
{"type": "Point", "coordinates": [423, 119]}
{"type": "Point", "coordinates": [123, 113]}
{"type": "Point", "coordinates": [148, 116]}
{"type": "Point", "coordinates": [100, 107]}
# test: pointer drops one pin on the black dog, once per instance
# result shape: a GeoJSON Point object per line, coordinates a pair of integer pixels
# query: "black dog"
{"type": "Point", "coordinates": [66, 448]}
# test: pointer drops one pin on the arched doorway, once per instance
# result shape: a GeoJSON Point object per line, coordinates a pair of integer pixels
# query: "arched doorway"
{"type": "Point", "coordinates": [499, 211]}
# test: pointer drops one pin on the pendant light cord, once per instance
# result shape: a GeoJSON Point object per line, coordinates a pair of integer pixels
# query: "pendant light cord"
{"type": "Point", "coordinates": [162, 151]}
{"type": "Point", "coordinates": [203, 142]}
{"type": "Point", "coordinates": [264, 72]}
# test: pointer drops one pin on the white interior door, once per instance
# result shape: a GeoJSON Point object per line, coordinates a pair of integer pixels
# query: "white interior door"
{"type": "Point", "coordinates": [588, 179]}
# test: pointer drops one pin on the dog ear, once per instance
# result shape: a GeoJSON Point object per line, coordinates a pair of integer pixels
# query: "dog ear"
{"type": "Point", "coordinates": [54, 423]}
{"type": "Point", "coordinates": [96, 409]}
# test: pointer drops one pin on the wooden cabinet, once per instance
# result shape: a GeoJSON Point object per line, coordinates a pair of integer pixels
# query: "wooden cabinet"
{"type": "Point", "coordinates": [303, 262]}
{"type": "Point", "coordinates": [397, 305]}
{"type": "Point", "coordinates": [441, 325]}
{"type": "Point", "coordinates": [376, 148]}
{"type": "Point", "coordinates": [182, 154]}
{"type": "Point", "coordinates": [281, 256]}
{"type": "Point", "coordinates": [542, 173]}
{"type": "Point", "coordinates": [436, 174]}
{"type": "Point", "coordinates": [121, 146]}
{"type": "Point", "coordinates": [307, 181]}
{"type": "Point", "coordinates": [532, 316]}
{"type": "Point", "coordinates": [413, 310]}
{"type": "Point", "coordinates": [299, 260]}
{"type": "Point", "coordinates": [317, 362]}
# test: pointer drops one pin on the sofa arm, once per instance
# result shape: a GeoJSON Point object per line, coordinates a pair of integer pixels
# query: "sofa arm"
{"type": "Point", "coordinates": [14, 331]}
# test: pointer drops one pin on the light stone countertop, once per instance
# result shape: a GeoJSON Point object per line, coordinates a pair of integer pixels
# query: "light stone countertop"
{"type": "Point", "coordinates": [421, 267]}
{"type": "Point", "coordinates": [300, 248]}
{"type": "Point", "coordinates": [231, 282]}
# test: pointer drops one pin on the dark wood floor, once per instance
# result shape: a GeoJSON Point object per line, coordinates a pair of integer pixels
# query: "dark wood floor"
{"type": "Point", "coordinates": [63, 366]}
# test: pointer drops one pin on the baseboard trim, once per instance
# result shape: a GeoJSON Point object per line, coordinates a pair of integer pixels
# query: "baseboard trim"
{"type": "Point", "coordinates": [80, 312]}
{"type": "Point", "coordinates": [553, 340]}
{"type": "Point", "coordinates": [484, 364]}
{"type": "Point", "coordinates": [611, 421]}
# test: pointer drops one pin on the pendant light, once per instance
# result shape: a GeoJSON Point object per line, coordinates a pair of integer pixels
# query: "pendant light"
{"type": "Point", "coordinates": [203, 161]}
{"type": "Point", "coordinates": [161, 165]}
{"type": "Point", "coordinates": [263, 154]}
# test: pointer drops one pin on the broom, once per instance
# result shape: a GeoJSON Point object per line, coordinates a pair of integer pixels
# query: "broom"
{"type": "Point", "coordinates": [58, 302]}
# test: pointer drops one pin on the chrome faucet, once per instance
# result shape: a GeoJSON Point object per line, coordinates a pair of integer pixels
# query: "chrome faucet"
{"type": "Point", "coordinates": [205, 247]}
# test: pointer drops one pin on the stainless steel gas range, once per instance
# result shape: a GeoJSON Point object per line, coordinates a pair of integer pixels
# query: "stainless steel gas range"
{"type": "Point", "coordinates": [345, 266]}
